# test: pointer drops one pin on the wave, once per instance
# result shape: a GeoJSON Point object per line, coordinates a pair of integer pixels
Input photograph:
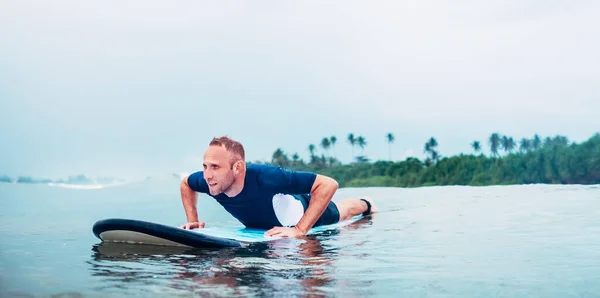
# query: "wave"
{"type": "Point", "coordinates": [79, 186]}
{"type": "Point", "coordinates": [91, 185]}
{"type": "Point", "coordinates": [106, 183]}
{"type": "Point", "coordinates": [86, 182]}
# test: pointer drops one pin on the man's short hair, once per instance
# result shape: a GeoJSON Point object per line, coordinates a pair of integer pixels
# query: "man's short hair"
{"type": "Point", "coordinates": [229, 145]}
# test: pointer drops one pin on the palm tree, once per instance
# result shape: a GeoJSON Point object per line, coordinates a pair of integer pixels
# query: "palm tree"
{"type": "Point", "coordinates": [561, 141]}
{"type": "Point", "coordinates": [280, 158]}
{"type": "Point", "coordinates": [332, 161]}
{"type": "Point", "coordinates": [332, 141]}
{"type": "Point", "coordinates": [536, 143]}
{"type": "Point", "coordinates": [435, 155]}
{"type": "Point", "coordinates": [510, 145]}
{"type": "Point", "coordinates": [311, 149]}
{"type": "Point", "coordinates": [361, 159]}
{"type": "Point", "coordinates": [325, 144]}
{"type": "Point", "coordinates": [361, 142]}
{"type": "Point", "coordinates": [476, 146]}
{"type": "Point", "coordinates": [504, 143]}
{"type": "Point", "coordinates": [430, 147]}
{"type": "Point", "coordinates": [428, 162]}
{"type": "Point", "coordinates": [390, 139]}
{"type": "Point", "coordinates": [547, 142]}
{"type": "Point", "coordinates": [431, 144]}
{"type": "Point", "coordinates": [525, 145]}
{"type": "Point", "coordinates": [494, 143]}
{"type": "Point", "coordinates": [352, 141]}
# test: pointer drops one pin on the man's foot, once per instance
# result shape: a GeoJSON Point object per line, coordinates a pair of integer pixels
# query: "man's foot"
{"type": "Point", "coordinates": [370, 206]}
{"type": "Point", "coordinates": [349, 208]}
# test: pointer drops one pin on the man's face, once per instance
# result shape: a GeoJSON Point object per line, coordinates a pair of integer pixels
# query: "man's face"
{"type": "Point", "coordinates": [217, 169]}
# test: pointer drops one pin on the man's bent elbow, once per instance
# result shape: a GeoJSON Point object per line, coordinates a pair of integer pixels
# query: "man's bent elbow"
{"type": "Point", "coordinates": [184, 183]}
{"type": "Point", "coordinates": [328, 182]}
{"type": "Point", "coordinates": [334, 184]}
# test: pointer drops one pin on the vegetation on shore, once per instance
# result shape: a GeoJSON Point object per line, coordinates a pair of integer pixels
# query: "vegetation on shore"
{"type": "Point", "coordinates": [551, 160]}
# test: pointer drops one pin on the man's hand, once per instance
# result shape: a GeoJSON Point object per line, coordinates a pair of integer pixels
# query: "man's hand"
{"type": "Point", "coordinates": [192, 225]}
{"type": "Point", "coordinates": [284, 232]}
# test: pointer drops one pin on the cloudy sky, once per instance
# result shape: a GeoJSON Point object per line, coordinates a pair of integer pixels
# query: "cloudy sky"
{"type": "Point", "coordinates": [140, 87]}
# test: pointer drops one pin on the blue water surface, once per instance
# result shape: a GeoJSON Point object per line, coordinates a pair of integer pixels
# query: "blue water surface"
{"type": "Point", "coordinates": [499, 241]}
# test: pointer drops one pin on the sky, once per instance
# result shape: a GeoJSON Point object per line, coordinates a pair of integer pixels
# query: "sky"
{"type": "Point", "coordinates": [138, 88]}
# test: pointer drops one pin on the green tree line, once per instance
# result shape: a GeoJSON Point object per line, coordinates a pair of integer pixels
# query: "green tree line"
{"type": "Point", "coordinates": [549, 160]}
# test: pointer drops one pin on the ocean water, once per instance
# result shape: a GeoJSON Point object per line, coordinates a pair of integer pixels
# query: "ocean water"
{"type": "Point", "coordinates": [500, 241]}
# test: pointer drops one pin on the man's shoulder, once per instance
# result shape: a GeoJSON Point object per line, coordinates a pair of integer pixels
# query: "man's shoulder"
{"type": "Point", "coordinates": [261, 171]}
{"type": "Point", "coordinates": [268, 169]}
{"type": "Point", "coordinates": [259, 167]}
{"type": "Point", "coordinates": [275, 174]}
{"type": "Point", "coordinates": [279, 179]}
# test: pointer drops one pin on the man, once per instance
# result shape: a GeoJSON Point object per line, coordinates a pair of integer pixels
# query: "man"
{"type": "Point", "coordinates": [287, 203]}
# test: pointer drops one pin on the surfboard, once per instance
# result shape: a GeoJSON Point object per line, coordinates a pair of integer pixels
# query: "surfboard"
{"type": "Point", "coordinates": [144, 232]}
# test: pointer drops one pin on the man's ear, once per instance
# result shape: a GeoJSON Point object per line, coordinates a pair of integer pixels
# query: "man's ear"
{"type": "Point", "coordinates": [237, 166]}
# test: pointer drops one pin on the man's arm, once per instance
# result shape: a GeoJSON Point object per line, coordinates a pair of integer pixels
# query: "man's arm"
{"type": "Point", "coordinates": [320, 195]}
{"type": "Point", "coordinates": [189, 198]}
{"type": "Point", "coordinates": [322, 192]}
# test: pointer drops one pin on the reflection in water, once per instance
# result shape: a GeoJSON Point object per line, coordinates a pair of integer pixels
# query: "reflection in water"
{"type": "Point", "coordinates": [300, 267]}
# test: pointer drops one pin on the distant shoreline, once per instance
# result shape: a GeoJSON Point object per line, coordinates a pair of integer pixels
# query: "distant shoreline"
{"type": "Point", "coordinates": [554, 161]}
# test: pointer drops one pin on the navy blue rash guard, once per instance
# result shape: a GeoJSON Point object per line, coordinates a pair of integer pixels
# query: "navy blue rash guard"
{"type": "Point", "coordinates": [253, 207]}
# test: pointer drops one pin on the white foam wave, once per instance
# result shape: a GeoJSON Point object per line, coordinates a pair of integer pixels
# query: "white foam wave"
{"type": "Point", "coordinates": [78, 186]}
{"type": "Point", "coordinates": [92, 185]}
{"type": "Point", "coordinates": [84, 182]}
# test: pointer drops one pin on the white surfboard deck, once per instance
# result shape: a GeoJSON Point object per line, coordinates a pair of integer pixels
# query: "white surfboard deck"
{"type": "Point", "coordinates": [134, 231]}
{"type": "Point", "coordinates": [258, 235]}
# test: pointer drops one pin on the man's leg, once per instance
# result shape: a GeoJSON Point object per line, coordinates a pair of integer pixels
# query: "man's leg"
{"type": "Point", "coordinates": [352, 207]}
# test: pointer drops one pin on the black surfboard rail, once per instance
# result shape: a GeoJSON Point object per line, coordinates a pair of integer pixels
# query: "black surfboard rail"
{"type": "Point", "coordinates": [175, 234]}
